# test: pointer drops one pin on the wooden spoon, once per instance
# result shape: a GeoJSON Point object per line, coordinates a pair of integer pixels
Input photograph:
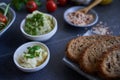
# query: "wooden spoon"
{"type": "Point", "coordinates": [85, 10]}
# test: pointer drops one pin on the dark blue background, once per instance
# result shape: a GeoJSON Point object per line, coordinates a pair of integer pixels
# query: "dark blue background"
{"type": "Point", "coordinates": [56, 69]}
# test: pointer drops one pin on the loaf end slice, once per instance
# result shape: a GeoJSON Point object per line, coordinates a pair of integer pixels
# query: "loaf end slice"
{"type": "Point", "coordinates": [109, 65]}
{"type": "Point", "coordinates": [89, 60]}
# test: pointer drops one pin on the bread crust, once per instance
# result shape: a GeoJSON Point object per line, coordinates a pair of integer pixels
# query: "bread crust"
{"type": "Point", "coordinates": [88, 61]}
{"type": "Point", "coordinates": [108, 60]}
{"type": "Point", "coordinates": [77, 46]}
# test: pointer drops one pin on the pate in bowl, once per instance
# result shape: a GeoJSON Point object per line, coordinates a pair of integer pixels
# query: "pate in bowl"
{"type": "Point", "coordinates": [31, 56]}
{"type": "Point", "coordinates": [39, 26]}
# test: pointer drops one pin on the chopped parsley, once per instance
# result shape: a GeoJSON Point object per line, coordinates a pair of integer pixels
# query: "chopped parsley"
{"type": "Point", "coordinates": [33, 51]}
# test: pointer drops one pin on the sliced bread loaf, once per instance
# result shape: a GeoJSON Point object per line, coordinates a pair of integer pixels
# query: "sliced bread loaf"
{"type": "Point", "coordinates": [88, 61]}
{"type": "Point", "coordinates": [78, 45]}
{"type": "Point", "coordinates": [109, 65]}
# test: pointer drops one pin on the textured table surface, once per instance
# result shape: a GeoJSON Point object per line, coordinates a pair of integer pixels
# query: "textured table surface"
{"type": "Point", "coordinates": [56, 69]}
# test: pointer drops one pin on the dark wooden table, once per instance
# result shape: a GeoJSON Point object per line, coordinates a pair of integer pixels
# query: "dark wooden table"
{"type": "Point", "coordinates": [56, 69]}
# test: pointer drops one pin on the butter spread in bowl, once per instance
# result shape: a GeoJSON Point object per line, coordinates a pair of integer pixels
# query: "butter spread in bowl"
{"type": "Point", "coordinates": [31, 56]}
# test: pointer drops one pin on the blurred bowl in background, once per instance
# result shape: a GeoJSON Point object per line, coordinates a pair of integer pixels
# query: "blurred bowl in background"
{"type": "Point", "coordinates": [85, 2]}
{"type": "Point", "coordinates": [11, 15]}
{"type": "Point", "coordinates": [74, 9]}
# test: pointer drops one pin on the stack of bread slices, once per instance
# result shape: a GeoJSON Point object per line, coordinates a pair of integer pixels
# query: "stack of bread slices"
{"type": "Point", "coordinates": [96, 54]}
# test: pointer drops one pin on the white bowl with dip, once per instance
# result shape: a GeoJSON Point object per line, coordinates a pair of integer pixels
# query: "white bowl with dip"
{"type": "Point", "coordinates": [40, 37]}
{"type": "Point", "coordinates": [33, 64]}
{"type": "Point", "coordinates": [73, 9]}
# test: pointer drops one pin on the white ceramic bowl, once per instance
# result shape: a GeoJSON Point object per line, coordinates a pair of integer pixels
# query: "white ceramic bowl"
{"type": "Point", "coordinates": [73, 9]}
{"type": "Point", "coordinates": [11, 17]}
{"type": "Point", "coordinates": [42, 37]}
{"type": "Point", "coordinates": [20, 50]}
{"type": "Point", "coordinates": [85, 2]}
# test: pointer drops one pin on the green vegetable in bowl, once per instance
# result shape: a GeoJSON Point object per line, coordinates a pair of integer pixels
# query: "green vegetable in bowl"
{"type": "Point", "coordinates": [38, 23]}
{"type": "Point", "coordinates": [32, 52]}
{"type": "Point", "coordinates": [33, 56]}
{"type": "Point", "coordinates": [3, 17]}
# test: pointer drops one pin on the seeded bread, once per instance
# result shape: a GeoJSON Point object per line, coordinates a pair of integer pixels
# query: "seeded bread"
{"type": "Point", "coordinates": [92, 54]}
{"type": "Point", "coordinates": [109, 65]}
{"type": "Point", "coordinates": [78, 45]}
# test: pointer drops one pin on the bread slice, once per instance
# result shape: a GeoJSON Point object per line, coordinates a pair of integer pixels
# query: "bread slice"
{"type": "Point", "coordinates": [90, 58]}
{"type": "Point", "coordinates": [78, 45]}
{"type": "Point", "coordinates": [109, 65]}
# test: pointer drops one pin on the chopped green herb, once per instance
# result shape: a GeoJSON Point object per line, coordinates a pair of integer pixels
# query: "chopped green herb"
{"type": "Point", "coordinates": [32, 52]}
{"type": "Point", "coordinates": [38, 23]}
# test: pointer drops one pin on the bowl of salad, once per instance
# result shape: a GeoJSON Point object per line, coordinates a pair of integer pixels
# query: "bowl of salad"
{"type": "Point", "coordinates": [7, 17]}
{"type": "Point", "coordinates": [31, 56]}
{"type": "Point", "coordinates": [39, 26]}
